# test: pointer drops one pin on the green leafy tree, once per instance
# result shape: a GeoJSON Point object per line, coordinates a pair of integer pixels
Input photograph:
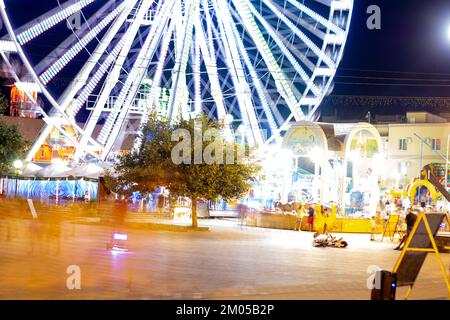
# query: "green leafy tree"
{"type": "Point", "coordinates": [12, 146]}
{"type": "Point", "coordinates": [157, 163]}
{"type": "Point", "coordinates": [3, 103]}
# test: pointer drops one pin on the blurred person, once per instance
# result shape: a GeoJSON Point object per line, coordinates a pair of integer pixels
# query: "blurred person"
{"type": "Point", "coordinates": [310, 217]}
{"type": "Point", "coordinates": [243, 210]}
{"type": "Point", "coordinates": [299, 214]}
{"type": "Point", "coordinates": [119, 213]}
{"type": "Point", "coordinates": [87, 197]}
{"type": "Point", "coordinates": [325, 216]}
{"type": "Point", "coordinates": [373, 229]}
{"type": "Point", "coordinates": [160, 203]}
{"type": "Point", "coordinates": [410, 218]}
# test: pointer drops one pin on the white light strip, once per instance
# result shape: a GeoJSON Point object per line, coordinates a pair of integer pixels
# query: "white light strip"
{"type": "Point", "coordinates": [197, 78]}
{"type": "Point", "coordinates": [317, 17]}
{"type": "Point", "coordinates": [286, 51]}
{"type": "Point", "coordinates": [256, 80]}
{"type": "Point", "coordinates": [317, 51]}
{"type": "Point", "coordinates": [7, 46]}
{"type": "Point", "coordinates": [28, 86]}
{"type": "Point", "coordinates": [138, 70]}
{"type": "Point", "coordinates": [247, 13]}
{"type": "Point", "coordinates": [125, 41]}
{"type": "Point", "coordinates": [58, 65]}
{"type": "Point", "coordinates": [51, 21]}
{"type": "Point", "coordinates": [209, 56]}
{"type": "Point", "coordinates": [155, 89]}
{"type": "Point", "coordinates": [73, 109]}
{"type": "Point", "coordinates": [179, 70]}
{"type": "Point", "coordinates": [242, 88]}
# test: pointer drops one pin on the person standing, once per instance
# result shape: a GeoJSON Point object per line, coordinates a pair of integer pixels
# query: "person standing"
{"type": "Point", "coordinates": [373, 228]}
{"type": "Point", "coordinates": [310, 217]}
{"type": "Point", "coordinates": [298, 218]}
{"type": "Point", "coordinates": [325, 216]}
{"type": "Point", "coordinates": [160, 203]}
{"type": "Point", "coordinates": [410, 221]}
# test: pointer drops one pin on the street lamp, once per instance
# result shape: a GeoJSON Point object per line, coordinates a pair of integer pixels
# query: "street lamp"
{"type": "Point", "coordinates": [17, 164]}
{"type": "Point", "coordinates": [446, 157]}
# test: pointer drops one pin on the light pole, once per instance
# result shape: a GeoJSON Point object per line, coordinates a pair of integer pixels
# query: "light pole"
{"type": "Point", "coordinates": [17, 165]}
{"type": "Point", "coordinates": [446, 156]}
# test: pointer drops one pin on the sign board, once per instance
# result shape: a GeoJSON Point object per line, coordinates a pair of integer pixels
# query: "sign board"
{"type": "Point", "coordinates": [391, 226]}
{"type": "Point", "coordinates": [420, 242]}
{"type": "Point", "coordinates": [412, 261]}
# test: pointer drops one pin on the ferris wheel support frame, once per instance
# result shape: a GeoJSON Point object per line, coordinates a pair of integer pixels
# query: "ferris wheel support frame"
{"type": "Point", "coordinates": [300, 70]}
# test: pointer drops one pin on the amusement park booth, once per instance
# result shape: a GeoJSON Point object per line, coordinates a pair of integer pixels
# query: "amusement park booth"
{"type": "Point", "coordinates": [335, 165]}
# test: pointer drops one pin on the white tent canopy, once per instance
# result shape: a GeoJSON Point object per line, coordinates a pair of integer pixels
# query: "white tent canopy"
{"type": "Point", "coordinates": [89, 170]}
{"type": "Point", "coordinates": [30, 169]}
{"type": "Point", "coordinates": [56, 170]}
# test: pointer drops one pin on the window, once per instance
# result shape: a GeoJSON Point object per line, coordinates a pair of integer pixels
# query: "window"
{"type": "Point", "coordinates": [436, 144]}
{"type": "Point", "coordinates": [402, 168]}
{"type": "Point", "coordinates": [402, 144]}
{"type": "Point", "coordinates": [42, 153]}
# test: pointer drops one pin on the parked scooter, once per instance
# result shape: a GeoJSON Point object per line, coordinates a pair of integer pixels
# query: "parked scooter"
{"type": "Point", "coordinates": [328, 240]}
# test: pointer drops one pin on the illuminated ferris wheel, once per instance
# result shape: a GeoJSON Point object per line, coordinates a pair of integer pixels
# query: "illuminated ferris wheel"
{"type": "Point", "coordinates": [258, 65]}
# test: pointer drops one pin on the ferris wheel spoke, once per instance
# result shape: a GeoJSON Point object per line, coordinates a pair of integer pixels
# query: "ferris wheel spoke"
{"type": "Point", "coordinates": [116, 57]}
{"type": "Point", "coordinates": [178, 96]}
{"type": "Point", "coordinates": [74, 37]}
{"type": "Point", "coordinates": [247, 12]}
{"type": "Point", "coordinates": [213, 75]}
{"type": "Point", "coordinates": [156, 84]}
{"type": "Point", "coordinates": [121, 106]}
{"type": "Point", "coordinates": [197, 76]}
{"type": "Point", "coordinates": [238, 76]}
{"type": "Point", "coordinates": [317, 17]}
{"type": "Point", "coordinates": [58, 65]}
{"type": "Point", "coordinates": [48, 20]}
{"type": "Point", "coordinates": [209, 55]}
{"type": "Point", "coordinates": [256, 81]}
{"type": "Point", "coordinates": [311, 45]}
{"type": "Point", "coordinates": [94, 58]}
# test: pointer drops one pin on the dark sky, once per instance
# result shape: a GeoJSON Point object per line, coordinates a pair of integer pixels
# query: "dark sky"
{"type": "Point", "coordinates": [409, 56]}
{"type": "Point", "coordinates": [412, 48]}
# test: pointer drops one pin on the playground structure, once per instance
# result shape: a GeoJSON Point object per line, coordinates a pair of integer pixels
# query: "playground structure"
{"type": "Point", "coordinates": [429, 186]}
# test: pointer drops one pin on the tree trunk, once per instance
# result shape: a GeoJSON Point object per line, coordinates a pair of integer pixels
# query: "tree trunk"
{"type": "Point", "coordinates": [194, 213]}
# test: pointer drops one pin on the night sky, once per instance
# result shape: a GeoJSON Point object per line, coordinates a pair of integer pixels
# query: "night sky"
{"type": "Point", "coordinates": [409, 56]}
{"type": "Point", "coordinates": [413, 43]}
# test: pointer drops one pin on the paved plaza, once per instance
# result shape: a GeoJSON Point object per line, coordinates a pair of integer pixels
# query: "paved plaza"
{"type": "Point", "coordinates": [229, 261]}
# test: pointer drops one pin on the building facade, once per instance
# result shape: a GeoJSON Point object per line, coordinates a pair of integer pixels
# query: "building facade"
{"type": "Point", "coordinates": [408, 146]}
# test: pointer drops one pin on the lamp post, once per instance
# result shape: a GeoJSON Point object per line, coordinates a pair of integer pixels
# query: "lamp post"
{"type": "Point", "coordinates": [446, 156]}
{"type": "Point", "coordinates": [17, 165]}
